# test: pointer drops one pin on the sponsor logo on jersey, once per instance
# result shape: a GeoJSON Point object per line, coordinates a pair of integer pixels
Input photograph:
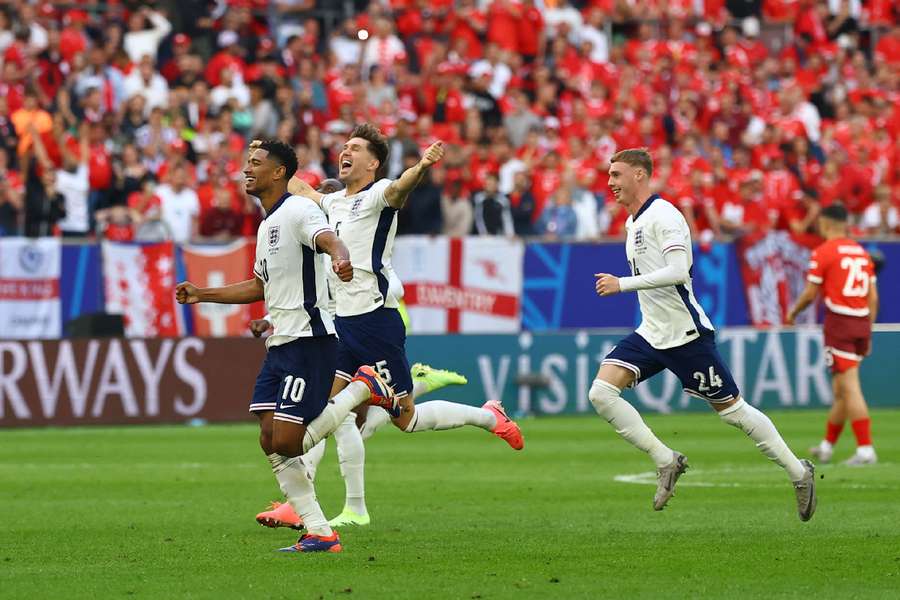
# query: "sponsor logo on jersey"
{"type": "Point", "coordinates": [274, 235]}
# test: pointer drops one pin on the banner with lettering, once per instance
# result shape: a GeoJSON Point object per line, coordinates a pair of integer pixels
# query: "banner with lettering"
{"type": "Point", "coordinates": [114, 380]}
{"type": "Point", "coordinates": [460, 285]}
{"type": "Point", "coordinates": [214, 266]}
{"type": "Point", "coordinates": [29, 288]}
{"type": "Point", "coordinates": [773, 266]}
{"type": "Point", "coordinates": [139, 280]}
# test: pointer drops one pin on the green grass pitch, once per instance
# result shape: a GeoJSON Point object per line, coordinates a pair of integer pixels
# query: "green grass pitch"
{"type": "Point", "coordinates": [167, 512]}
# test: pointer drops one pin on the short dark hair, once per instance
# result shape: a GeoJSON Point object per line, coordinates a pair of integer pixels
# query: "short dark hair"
{"type": "Point", "coordinates": [635, 157]}
{"type": "Point", "coordinates": [378, 145]}
{"type": "Point", "coordinates": [835, 212]}
{"type": "Point", "coordinates": [328, 186]}
{"type": "Point", "coordinates": [283, 153]}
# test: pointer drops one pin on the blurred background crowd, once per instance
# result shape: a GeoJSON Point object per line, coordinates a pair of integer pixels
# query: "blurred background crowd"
{"type": "Point", "coordinates": [129, 120]}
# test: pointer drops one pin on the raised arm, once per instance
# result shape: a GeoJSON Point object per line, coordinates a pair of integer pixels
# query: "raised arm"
{"type": "Point", "coordinates": [244, 292]}
{"type": "Point", "coordinates": [396, 193]}
{"type": "Point", "coordinates": [298, 187]}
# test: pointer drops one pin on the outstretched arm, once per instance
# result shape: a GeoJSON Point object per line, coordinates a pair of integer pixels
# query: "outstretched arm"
{"type": "Point", "coordinates": [674, 273]}
{"type": "Point", "coordinates": [298, 187]}
{"type": "Point", "coordinates": [396, 193]}
{"type": "Point", "coordinates": [244, 292]}
{"type": "Point", "coordinates": [806, 298]}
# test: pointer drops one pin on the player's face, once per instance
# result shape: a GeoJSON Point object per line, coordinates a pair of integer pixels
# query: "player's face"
{"type": "Point", "coordinates": [623, 180]}
{"type": "Point", "coordinates": [356, 161]}
{"type": "Point", "coordinates": [258, 172]}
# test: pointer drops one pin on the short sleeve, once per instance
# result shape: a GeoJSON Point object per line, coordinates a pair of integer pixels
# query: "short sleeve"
{"type": "Point", "coordinates": [816, 272]}
{"type": "Point", "coordinates": [376, 193]}
{"type": "Point", "coordinates": [309, 221]}
{"type": "Point", "coordinates": [672, 231]}
{"type": "Point", "coordinates": [870, 268]}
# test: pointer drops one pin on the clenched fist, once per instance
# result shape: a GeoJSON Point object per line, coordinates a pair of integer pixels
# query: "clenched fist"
{"type": "Point", "coordinates": [343, 269]}
{"type": "Point", "coordinates": [187, 293]}
{"type": "Point", "coordinates": [607, 284]}
{"type": "Point", "coordinates": [433, 154]}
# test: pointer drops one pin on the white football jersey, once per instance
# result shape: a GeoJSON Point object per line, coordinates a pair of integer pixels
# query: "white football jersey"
{"type": "Point", "coordinates": [293, 275]}
{"type": "Point", "coordinates": [367, 226]}
{"type": "Point", "coordinates": [670, 316]}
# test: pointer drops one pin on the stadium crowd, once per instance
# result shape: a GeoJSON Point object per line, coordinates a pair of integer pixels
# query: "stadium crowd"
{"type": "Point", "coordinates": [130, 119]}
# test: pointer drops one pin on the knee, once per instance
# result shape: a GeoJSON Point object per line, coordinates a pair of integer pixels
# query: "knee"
{"type": "Point", "coordinates": [602, 395]}
{"type": "Point", "coordinates": [285, 446]}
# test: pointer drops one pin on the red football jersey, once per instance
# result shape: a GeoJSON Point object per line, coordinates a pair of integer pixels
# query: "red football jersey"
{"type": "Point", "coordinates": [845, 271]}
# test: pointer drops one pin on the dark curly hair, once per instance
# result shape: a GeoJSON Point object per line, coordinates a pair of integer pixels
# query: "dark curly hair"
{"type": "Point", "coordinates": [378, 145]}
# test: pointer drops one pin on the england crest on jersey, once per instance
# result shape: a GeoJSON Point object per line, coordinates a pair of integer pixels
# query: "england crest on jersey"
{"type": "Point", "coordinates": [639, 237]}
{"type": "Point", "coordinates": [354, 209]}
{"type": "Point", "coordinates": [274, 235]}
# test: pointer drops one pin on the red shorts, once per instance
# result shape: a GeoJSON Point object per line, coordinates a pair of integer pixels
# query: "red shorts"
{"type": "Point", "coordinates": [847, 340]}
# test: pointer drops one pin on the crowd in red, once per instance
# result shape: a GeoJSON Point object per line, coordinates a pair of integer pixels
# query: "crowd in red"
{"type": "Point", "coordinates": [123, 119]}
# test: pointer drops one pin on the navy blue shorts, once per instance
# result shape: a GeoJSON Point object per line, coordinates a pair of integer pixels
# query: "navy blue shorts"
{"type": "Point", "coordinates": [697, 364]}
{"type": "Point", "coordinates": [295, 379]}
{"type": "Point", "coordinates": [377, 339]}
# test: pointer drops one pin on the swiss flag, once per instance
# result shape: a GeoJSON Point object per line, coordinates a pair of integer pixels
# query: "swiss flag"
{"type": "Point", "coordinates": [140, 285]}
{"type": "Point", "coordinates": [215, 266]}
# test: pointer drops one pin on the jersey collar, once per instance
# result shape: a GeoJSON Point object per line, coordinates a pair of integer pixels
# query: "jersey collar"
{"type": "Point", "coordinates": [278, 204]}
{"type": "Point", "coordinates": [365, 188]}
{"type": "Point", "coordinates": [645, 206]}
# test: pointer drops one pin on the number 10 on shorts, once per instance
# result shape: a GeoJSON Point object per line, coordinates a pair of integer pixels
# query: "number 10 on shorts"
{"type": "Point", "coordinates": [293, 388]}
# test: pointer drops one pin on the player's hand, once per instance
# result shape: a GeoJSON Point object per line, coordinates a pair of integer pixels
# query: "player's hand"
{"type": "Point", "coordinates": [343, 269]}
{"type": "Point", "coordinates": [187, 293]}
{"type": "Point", "coordinates": [433, 154]}
{"type": "Point", "coordinates": [607, 284]}
{"type": "Point", "coordinates": [259, 327]}
{"type": "Point", "coordinates": [790, 318]}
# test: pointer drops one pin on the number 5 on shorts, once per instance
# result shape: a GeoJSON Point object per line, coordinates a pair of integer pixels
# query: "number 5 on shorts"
{"type": "Point", "coordinates": [381, 367]}
{"type": "Point", "coordinates": [293, 388]}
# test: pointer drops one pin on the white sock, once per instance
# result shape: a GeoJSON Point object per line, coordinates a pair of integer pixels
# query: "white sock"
{"type": "Point", "coordinates": [376, 418]}
{"type": "Point", "coordinates": [762, 431]}
{"type": "Point", "coordinates": [419, 389]}
{"type": "Point", "coordinates": [439, 415]}
{"type": "Point", "coordinates": [301, 495]}
{"type": "Point", "coordinates": [313, 457]}
{"type": "Point", "coordinates": [627, 422]}
{"type": "Point", "coordinates": [352, 460]}
{"type": "Point", "coordinates": [337, 409]}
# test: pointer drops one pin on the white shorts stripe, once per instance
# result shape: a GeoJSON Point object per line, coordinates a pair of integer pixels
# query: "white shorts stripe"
{"type": "Point", "coordinates": [845, 354]}
{"type": "Point", "coordinates": [621, 363]}
{"type": "Point", "coordinates": [343, 375]}
{"type": "Point", "coordinates": [263, 406]}
{"type": "Point", "coordinates": [289, 418]}
{"type": "Point", "coordinates": [708, 398]}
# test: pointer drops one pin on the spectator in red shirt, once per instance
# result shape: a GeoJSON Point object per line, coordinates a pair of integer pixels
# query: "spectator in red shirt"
{"type": "Point", "coordinates": [745, 214]}
{"type": "Point", "coordinates": [221, 221]}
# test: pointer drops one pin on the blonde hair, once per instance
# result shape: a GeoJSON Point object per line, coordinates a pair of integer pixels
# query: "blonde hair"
{"type": "Point", "coordinates": [635, 157]}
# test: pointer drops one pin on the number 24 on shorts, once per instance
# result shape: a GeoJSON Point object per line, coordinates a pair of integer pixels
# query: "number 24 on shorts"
{"type": "Point", "coordinates": [714, 380]}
